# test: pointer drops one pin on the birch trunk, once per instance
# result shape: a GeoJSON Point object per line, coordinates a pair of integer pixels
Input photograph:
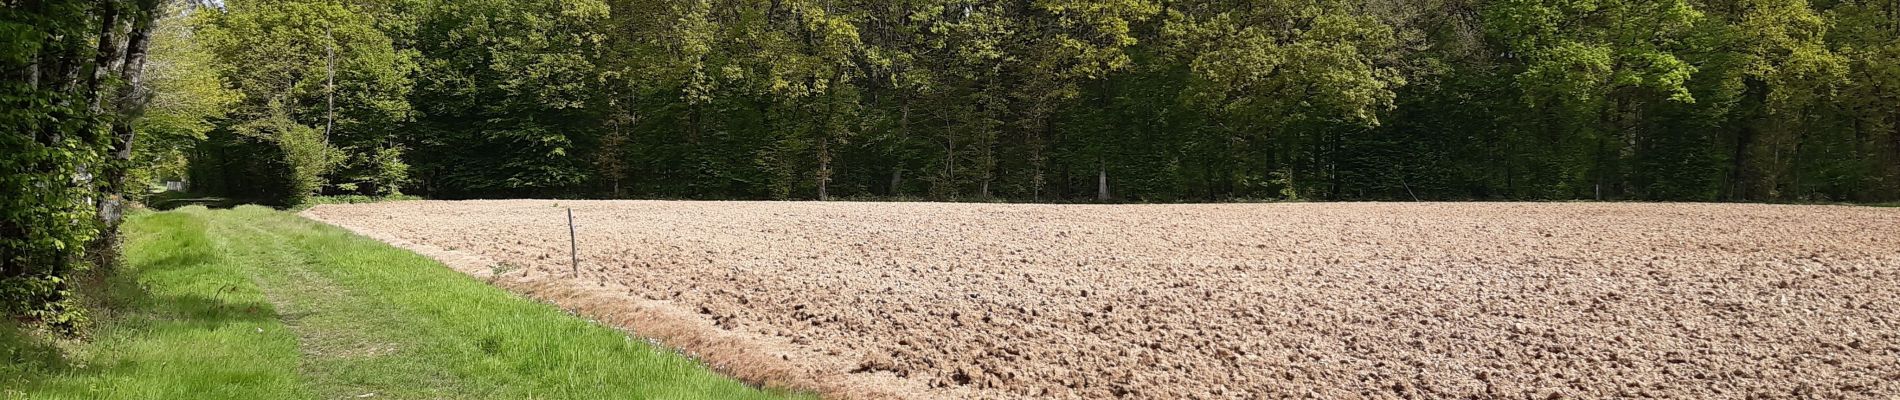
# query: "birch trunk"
{"type": "Point", "coordinates": [128, 107]}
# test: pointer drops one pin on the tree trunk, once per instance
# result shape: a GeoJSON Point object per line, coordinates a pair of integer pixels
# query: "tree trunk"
{"type": "Point", "coordinates": [1602, 147]}
{"type": "Point", "coordinates": [1101, 181]}
{"type": "Point", "coordinates": [108, 54]}
{"type": "Point", "coordinates": [950, 163]}
{"type": "Point", "coordinates": [824, 168]}
{"type": "Point", "coordinates": [1794, 164]}
{"type": "Point", "coordinates": [1510, 169]}
{"type": "Point", "coordinates": [1035, 157]}
{"type": "Point", "coordinates": [65, 71]}
{"type": "Point", "coordinates": [129, 106]}
{"type": "Point", "coordinates": [897, 180]}
{"type": "Point", "coordinates": [1332, 166]}
{"type": "Point", "coordinates": [989, 161]}
{"type": "Point", "coordinates": [1738, 163]}
{"type": "Point", "coordinates": [824, 146]}
{"type": "Point", "coordinates": [903, 134]}
{"type": "Point", "coordinates": [329, 88]}
{"type": "Point", "coordinates": [1893, 155]}
{"type": "Point", "coordinates": [1894, 136]}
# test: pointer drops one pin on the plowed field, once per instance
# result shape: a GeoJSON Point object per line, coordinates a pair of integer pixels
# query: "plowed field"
{"type": "Point", "coordinates": [1482, 300]}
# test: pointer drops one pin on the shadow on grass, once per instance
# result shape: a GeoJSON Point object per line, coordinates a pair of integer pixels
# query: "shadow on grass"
{"type": "Point", "coordinates": [26, 356]}
{"type": "Point", "coordinates": [168, 201]}
{"type": "Point", "coordinates": [125, 308]}
{"type": "Point", "coordinates": [188, 268]}
{"type": "Point", "coordinates": [29, 356]}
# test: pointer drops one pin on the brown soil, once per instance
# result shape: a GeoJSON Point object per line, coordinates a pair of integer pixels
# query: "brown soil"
{"type": "Point", "coordinates": [910, 300]}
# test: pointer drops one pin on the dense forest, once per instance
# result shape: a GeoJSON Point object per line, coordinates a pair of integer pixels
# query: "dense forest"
{"type": "Point", "coordinates": [1129, 100]}
{"type": "Point", "coordinates": [1027, 100]}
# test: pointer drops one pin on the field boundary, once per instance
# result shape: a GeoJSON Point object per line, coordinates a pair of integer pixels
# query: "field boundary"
{"type": "Point", "coordinates": [751, 358]}
{"type": "Point", "coordinates": [1362, 300]}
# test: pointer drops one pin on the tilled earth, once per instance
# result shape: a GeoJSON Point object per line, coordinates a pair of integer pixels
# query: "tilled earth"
{"type": "Point", "coordinates": [1363, 300]}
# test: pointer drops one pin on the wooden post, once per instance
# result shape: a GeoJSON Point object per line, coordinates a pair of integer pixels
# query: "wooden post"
{"type": "Point", "coordinates": [573, 246]}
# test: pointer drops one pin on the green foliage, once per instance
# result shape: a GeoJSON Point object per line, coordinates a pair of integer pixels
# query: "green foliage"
{"type": "Point", "coordinates": [287, 62]}
{"type": "Point", "coordinates": [189, 101]}
{"type": "Point", "coordinates": [314, 201]}
{"type": "Point", "coordinates": [307, 156]}
{"type": "Point", "coordinates": [1040, 100]}
{"type": "Point", "coordinates": [1275, 76]}
{"type": "Point", "coordinates": [53, 143]}
{"type": "Point", "coordinates": [505, 90]}
{"type": "Point", "coordinates": [388, 172]}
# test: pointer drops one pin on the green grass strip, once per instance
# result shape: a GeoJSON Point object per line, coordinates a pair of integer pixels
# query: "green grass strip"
{"type": "Point", "coordinates": [277, 306]}
{"type": "Point", "coordinates": [181, 322]}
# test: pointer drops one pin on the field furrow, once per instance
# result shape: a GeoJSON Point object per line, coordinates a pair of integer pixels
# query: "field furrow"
{"type": "Point", "coordinates": [924, 300]}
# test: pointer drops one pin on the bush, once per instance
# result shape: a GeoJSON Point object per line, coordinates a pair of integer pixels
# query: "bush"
{"type": "Point", "coordinates": [314, 201]}
{"type": "Point", "coordinates": [50, 148]}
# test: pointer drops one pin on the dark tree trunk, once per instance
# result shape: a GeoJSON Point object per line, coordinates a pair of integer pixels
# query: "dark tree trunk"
{"type": "Point", "coordinates": [129, 105]}
{"type": "Point", "coordinates": [107, 55]}
{"type": "Point", "coordinates": [1794, 165]}
{"type": "Point", "coordinates": [903, 135]}
{"type": "Point", "coordinates": [950, 164]}
{"type": "Point", "coordinates": [329, 88]}
{"type": "Point", "coordinates": [1332, 166]}
{"type": "Point", "coordinates": [1035, 135]}
{"type": "Point", "coordinates": [1894, 148]}
{"type": "Point", "coordinates": [1738, 163]}
{"type": "Point", "coordinates": [824, 146]}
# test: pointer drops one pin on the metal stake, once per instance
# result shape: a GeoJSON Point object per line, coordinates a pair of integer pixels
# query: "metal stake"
{"type": "Point", "coordinates": [1408, 190]}
{"type": "Point", "coordinates": [573, 247]}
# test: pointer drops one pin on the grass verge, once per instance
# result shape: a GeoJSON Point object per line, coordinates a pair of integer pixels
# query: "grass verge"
{"type": "Point", "coordinates": [178, 321]}
{"type": "Point", "coordinates": [257, 303]}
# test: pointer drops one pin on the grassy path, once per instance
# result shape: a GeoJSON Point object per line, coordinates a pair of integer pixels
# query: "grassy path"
{"type": "Point", "coordinates": [255, 303]}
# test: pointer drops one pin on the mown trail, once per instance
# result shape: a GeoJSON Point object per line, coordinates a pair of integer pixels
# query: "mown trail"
{"type": "Point", "coordinates": [284, 307]}
{"type": "Point", "coordinates": [346, 339]}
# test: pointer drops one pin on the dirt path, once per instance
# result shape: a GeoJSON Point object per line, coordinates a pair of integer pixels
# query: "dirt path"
{"type": "Point", "coordinates": [915, 300]}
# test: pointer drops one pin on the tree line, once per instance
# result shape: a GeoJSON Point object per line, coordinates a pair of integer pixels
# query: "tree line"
{"type": "Point", "coordinates": [1131, 100]}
